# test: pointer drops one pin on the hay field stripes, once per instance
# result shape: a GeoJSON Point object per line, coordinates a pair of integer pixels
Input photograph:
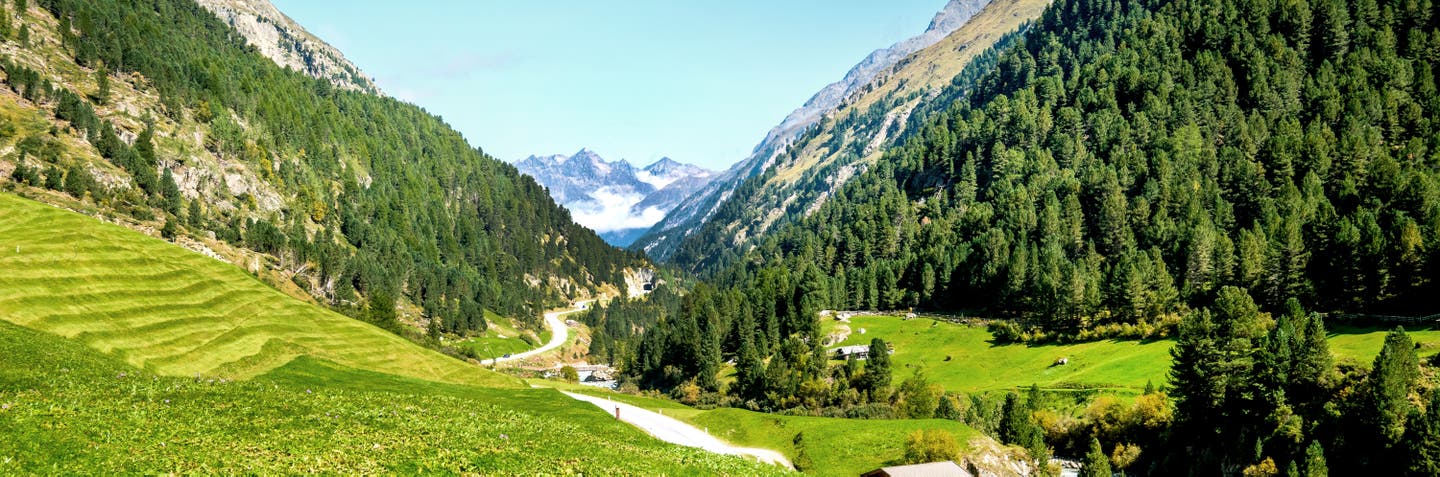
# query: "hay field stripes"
{"type": "Point", "coordinates": [164, 308]}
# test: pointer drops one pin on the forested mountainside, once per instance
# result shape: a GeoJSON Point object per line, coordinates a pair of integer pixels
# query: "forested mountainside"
{"type": "Point", "coordinates": [1118, 170]}
{"type": "Point", "coordinates": [1215, 169]}
{"type": "Point", "coordinates": [155, 114]}
{"type": "Point", "coordinates": [846, 143]}
{"type": "Point", "coordinates": [662, 240]}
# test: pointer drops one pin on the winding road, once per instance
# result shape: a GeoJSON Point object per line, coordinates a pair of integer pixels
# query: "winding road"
{"type": "Point", "coordinates": [671, 430]}
{"type": "Point", "coordinates": [664, 428]}
{"type": "Point", "coordinates": [558, 334]}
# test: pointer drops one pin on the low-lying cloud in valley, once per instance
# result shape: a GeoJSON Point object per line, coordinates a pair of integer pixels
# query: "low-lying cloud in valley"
{"type": "Point", "coordinates": [609, 210]}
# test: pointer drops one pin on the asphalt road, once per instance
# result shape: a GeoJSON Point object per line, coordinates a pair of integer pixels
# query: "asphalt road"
{"type": "Point", "coordinates": [558, 334]}
{"type": "Point", "coordinates": [675, 432]}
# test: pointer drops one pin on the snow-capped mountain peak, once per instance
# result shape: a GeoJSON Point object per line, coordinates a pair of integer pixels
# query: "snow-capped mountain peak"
{"type": "Point", "coordinates": [615, 198]}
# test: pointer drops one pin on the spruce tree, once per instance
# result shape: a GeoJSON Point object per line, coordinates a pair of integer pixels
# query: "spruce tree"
{"type": "Point", "coordinates": [877, 368]}
{"type": "Point", "coordinates": [946, 409]}
{"type": "Point", "coordinates": [1315, 461]}
{"type": "Point", "coordinates": [102, 81]}
{"type": "Point", "coordinates": [54, 178]}
{"type": "Point", "coordinates": [1394, 375]}
{"type": "Point", "coordinates": [1096, 463]}
{"type": "Point", "coordinates": [171, 193]}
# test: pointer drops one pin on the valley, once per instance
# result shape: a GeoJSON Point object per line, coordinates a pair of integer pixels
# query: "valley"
{"type": "Point", "coordinates": [1033, 238]}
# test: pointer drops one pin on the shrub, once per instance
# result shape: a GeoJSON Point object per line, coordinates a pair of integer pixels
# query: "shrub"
{"type": "Point", "coordinates": [931, 445]}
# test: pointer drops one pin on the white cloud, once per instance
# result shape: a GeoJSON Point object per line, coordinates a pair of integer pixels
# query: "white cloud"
{"type": "Point", "coordinates": [608, 210]}
{"type": "Point", "coordinates": [658, 181]}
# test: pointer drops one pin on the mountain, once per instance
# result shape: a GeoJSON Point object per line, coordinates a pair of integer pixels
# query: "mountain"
{"type": "Point", "coordinates": [901, 75]}
{"type": "Point", "coordinates": [614, 198]}
{"type": "Point", "coordinates": [1237, 175]}
{"type": "Point", "coordinates": [155, 114]}
{"type": "Point", "coordinates": [288, 44]}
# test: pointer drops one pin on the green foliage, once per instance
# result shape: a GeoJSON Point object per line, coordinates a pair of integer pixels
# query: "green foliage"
{"type": "Point", "coordinates": [917, 398]}
{"type": "Point", "coordinates": [802, 461]}
{"type": "Point", "coordinates": [569, 374]}
{"type": "Point", "coordinates": [24, 173]}
{"type": "Point", "coordinates": [79, 182]}
{"type": "Point", "coordinates": [930, 445]}
{"type": "Point", "coordinates": [102, 81]}
{"type": "Point", "coordinates": [1384, 405]}
{"type": "Point", "coordinates": [1422, 439]}
{"type": "Point", "coordinates": [1017, 427]}
{"type": "Point", "coordinates": [877, 368]}
{"type": "Point", "coordinates": [1096, 463]}
{"type": "Point", "coordinates": [1122, 162]}
{"type": "Point", "coordinates": [1315, 461]}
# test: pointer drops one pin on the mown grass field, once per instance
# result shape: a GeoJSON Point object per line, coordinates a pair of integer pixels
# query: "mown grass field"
{"type": "Point", "coordinates": [967, 359]}
{"type": "Point", "coordinates": [162, 308]}
{"type": "Point", "coordinates": [66, 409]}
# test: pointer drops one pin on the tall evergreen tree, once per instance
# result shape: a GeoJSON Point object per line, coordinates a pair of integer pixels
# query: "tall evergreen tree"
{"type": "Point", "coordinates": [877, 368]}
{"type": "Point", "coordinates": [1096, 463]}
{"type": "Point", "coordinates": [102, 81]}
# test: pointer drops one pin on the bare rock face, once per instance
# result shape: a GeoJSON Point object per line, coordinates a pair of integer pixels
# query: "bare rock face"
{"type": "Point", "coordinates": [288, 44]}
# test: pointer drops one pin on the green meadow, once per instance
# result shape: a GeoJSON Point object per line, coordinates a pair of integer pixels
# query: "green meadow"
{"type": "Point", "coordinates": [968, 359]}
{"type": "Point", "coordinates": [66, 409]}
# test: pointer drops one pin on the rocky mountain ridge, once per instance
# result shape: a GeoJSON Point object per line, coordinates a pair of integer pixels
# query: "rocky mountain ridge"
{"type": "Point", "coordinates": [288, 44]}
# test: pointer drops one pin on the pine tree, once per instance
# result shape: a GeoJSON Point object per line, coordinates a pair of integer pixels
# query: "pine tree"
{"type": "Point", "coordinates": [1392, 378]}
{"type": "Point", "coordinates": [171, 193]}
{"type": "Point", "coordinates": [77, 182]}
{"type": "Point", "coordinates": [1096, 463]}
{"type": "Point", "coordinates": [749, 371]}
{"type": "Point", "coordinates": [877, 368]}
{"type": "Point", "coordinates": [1017, 427]}
{"type": "Point", "coordinates": [946, 409]}
{"type": "Point", "coordinates": [194, 216]}
{"type": "Point", "coordinates": [102, 82]}
{"type": "Point", "coordinates": [168, 230]}
{"type": "Point", "coordinates": [54, 178]}
{"type": "Point", "coordinates": [1315, 461]}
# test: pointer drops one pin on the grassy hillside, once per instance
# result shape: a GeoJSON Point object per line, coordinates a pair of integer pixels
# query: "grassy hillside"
{"type": "Point", "coordinates": [159, 307]}
{"type": "Point", "coordinates": [966, 359]}
{"type": "Point", "coordinates": [66, 409]}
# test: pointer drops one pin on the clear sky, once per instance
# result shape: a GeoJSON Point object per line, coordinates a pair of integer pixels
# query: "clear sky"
{"type": "Point", "coordinates": [700, 82]}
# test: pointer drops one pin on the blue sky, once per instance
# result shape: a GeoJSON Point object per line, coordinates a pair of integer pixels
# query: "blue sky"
{"type": "Point", "coordinates": [700, 82]}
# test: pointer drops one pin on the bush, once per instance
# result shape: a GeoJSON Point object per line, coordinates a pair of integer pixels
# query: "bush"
{"type": "Point", "coordinates": [931, 445]}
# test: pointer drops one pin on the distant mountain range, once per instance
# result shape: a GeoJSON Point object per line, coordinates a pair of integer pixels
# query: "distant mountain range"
{"type": "Point", "coordinates": [663, 240]}
{"type": "Point", "coordinates": [615, 199]}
